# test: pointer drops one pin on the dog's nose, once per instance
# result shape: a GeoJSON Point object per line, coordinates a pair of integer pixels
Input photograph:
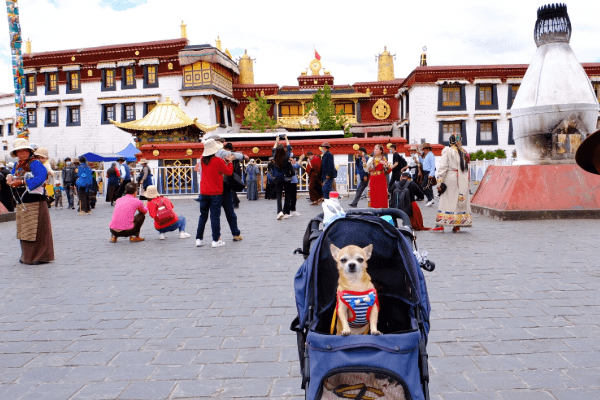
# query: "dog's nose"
{"type": "Point", "coordinates": [352, 267]}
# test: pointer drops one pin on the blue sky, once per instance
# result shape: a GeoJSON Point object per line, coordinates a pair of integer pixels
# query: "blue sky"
{"type": "Point", "coordinates": [120, 5]}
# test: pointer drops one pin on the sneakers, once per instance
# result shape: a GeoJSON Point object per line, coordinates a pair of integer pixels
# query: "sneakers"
{"type": "Point", "coordinates": [286, 216]}
{"type": "Point", "coordinates": [113, 239]}
{"type": "Point", "coordinates": [218, 244]}
{"type": "Point", "coordinates": [184, 235]}
{"type": "Point", "coordinates": [162, 236]}
{"type": "Point", "coordinates": [238, 238]}
{"type": "Point", "coordinates": [199, 243]}
{"type": "Point", "coordinates": [280, 216]}
{"type": "Point", "coordinates": [430, 203]}
{"type": "Point", "coordinates": [134, 239]}
{"type": "Point", "coordinates": [295, 214]}
{"type": "Point", "coordinates": [352, 205]}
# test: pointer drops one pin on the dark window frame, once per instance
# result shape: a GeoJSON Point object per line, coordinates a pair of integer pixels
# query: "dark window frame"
{"type": "Point", "coordinates": [10, 129]}
{"type": "Point", "coordinates": [34, 123]}
{"type": "Point", "coordinates": [463, 132]}
{"type": "Point", "coordinates": [104, 120]}
{"type": "Point", "coordinates": [442, 107]}
{"type": "Point", "coordinates": [494, 141]}
{"type": "Point", "coordinates": [34, 91]}
{"type": "Point", "coordinates": [509, 102]}
{"type": "Point", "coordinates": [494, 105]}
{"type": "Point", "coordinates": [69, 80]}
{"type": "Point", "coordinates": [48, 91]}
{"type": "Point", "coordinates": [105, 88]}
{"type": "Point", "coordinates": [2, 130]}
{"type": "Point", "coordinates": [147, 105]}
{"type": "Point", "coordinates": [70, 121]}
{"type": "Point", "coordinates": [511, 139]}
{"type": "Point", "coordinates": [124, 112]}
{"type": "Point", "coordinates": [124, 84]}
{"type": "Point", "coordinates": [47, 119]}
{"type": "Point", "coordinates": [146, 75]}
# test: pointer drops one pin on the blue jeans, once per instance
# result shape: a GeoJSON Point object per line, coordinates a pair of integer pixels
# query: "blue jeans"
{"type": "Point", "coordinates": [230, 213]}
{"type": "Point", "coordinates": [179, 224]}
{"type": "Point", "coordinates": [327, 187]}
{"type": "Point", "coordinates": [70, 200]}
{"type": "Point", "coordinates": [210, 204]}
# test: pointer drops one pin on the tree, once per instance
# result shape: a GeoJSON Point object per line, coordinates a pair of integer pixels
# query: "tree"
{"type": "Point", "coordinates": [257, 115]}
{"type": "Point", "coordinates": [325, 111]}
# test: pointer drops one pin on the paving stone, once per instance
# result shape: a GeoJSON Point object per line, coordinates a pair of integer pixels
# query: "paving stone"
{"type": "Point", "coordinates": [525, 395]}
{"type": "Point", "coordinates": [223, 371]}
{"type": "Point", "coordinates": [132, 373]}
{"type": "Point", "coordinates": [53, 391]}
{"type": "Point", "coordinates": [148, 390]}
{"type": "Point", "coordinates": [177, 373]}
{"type": "Point", "coordinates": [492, 380]}
{"type": "Point", "coordinates": [200, 388]}
{"type": "Point", "coordinates": [88, 374]}
{"type": "Point", "coordinates": [44, 375]}
{"type": "Point", "coordinates": [544, 379]}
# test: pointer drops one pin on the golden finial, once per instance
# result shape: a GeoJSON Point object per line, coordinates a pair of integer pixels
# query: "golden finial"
{"type": "Point", "coordinates": [218, 43]}
{"type": "Point", "coordinates": [228, 53]}
{"type": "Point", "coordinates": [246, 65]}
{"type": "Point", "coordinates": [386, 65]}
{"type": "Point", "coordinates": [423, 62]}
{"type": "Point", "coordinates": [28, 46]}
{"type": "Point", "coordinates": [183, 30]}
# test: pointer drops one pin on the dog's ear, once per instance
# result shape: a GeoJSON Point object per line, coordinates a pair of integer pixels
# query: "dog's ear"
{"type": "Point", "coordinates": [368, 250]}
{"type": "Point", "coordinates": [334, 251]}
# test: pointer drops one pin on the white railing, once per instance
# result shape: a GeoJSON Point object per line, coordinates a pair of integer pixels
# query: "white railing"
{"type": "Point", "coordinates": [477, 168]}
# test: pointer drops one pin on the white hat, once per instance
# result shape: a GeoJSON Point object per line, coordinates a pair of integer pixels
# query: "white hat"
{"type": "Point", "coordinates": [151, 192]}
{"type": "Point", "coordinates": [20, 144]}
{"type": "Point", "coordinates": [42, 152]}
{"type": "Point", "coordinates": [211, 147]}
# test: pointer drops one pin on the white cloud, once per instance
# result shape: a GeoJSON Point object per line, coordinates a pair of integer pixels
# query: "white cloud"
{"type": "Point", "coordinates": [281, 35]}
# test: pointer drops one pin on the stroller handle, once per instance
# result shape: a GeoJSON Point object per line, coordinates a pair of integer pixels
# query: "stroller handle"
{"type": "Point", "coordinates": [392, 212]}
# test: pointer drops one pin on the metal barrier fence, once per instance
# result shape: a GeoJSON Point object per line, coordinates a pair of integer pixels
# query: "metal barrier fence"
{"type": "Point", "coordinates": [477, 168]}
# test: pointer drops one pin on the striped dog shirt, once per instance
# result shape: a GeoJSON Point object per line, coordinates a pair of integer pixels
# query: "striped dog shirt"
{"type": "Point", "coordinates": [360, 305]}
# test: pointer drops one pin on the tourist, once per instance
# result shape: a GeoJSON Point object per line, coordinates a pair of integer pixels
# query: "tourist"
{"type": "Point", "coordinates": [378, 168]}
{"type": "Point", "coordinates": [428, 173]}
{"type": "Point", "coordinates": [165, 220]}
{"type": "Point", "coordinates": [228, 194]}
{"type": "Point", "coordinates": [125, 172]}
{"type": "Point", "coordinates": [41, 154]}
{"type": "Point", "coordinates": [6, 196]}
{"type": "Point", "coordinates": [74, 192]}
{"type": "Point", "coordinates": [270, 190]}
{"type": "Point", "coordinates": [398, 164]}
{"type": "Point", "coordinates": [58, 189]}
{"type": "Point", "coordinates": [34, 229]}
{"type": "Point", "coordinates": [252, 174]}
{"type": "Point", "coordinates": [293, 186]}
{"type": "Point", "coordinates": [281, 170]}
{"type": "Point", "coordinates": [145, 178]}
{"type": "Point", "coordinates": [125, 222]}
{"type": "Point", "coordinates": [237, 169]}
{"type": "Point", "coordinates": [69, 177]}
{"type": "Point", "coordinates": [414, 165]}
{"type": "Point", "coordinates": [360, 162]}
{"type": "Point", "coordinates": [93, 191]}
{"type": "Point", "coordinates": [315, 184]}
{"type": "Point", "coordinates": [328, 172]}
{"type": "Point", "coordinates": [453, 186]}
{"type": "Point", "coordinates": [416, 218]}
{"type": "Point", "coordinates": [113, 175]}
{"type": "Point", "coordinates": [84, 184]}
{"type": "Point", "coordinates": [211, 191]}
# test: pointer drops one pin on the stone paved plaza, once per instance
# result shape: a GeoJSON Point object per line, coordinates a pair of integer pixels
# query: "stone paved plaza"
{"type": "Point", "coordinates": [516, 311]}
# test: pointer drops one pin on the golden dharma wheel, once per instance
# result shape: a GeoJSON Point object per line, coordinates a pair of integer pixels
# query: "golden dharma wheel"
{"type": "Point", "coordinates": [189, 152]}
{"type": "Point", "coordinates": [155, 153]}
{"type": "Point", "coordinates": [356, 147]}
{"type": "Point", "coordinates": [389, 145]}
{"type": "Point", "coordinates": [255, 150]}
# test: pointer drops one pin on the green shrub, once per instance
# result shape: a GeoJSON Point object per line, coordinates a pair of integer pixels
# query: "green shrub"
{"type": "Point", "coordinates": [489, 155]}
{"type": "Point", "coordinates": [500, 153]}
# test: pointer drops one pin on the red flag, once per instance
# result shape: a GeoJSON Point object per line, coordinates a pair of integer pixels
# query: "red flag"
{"type": "Point", "coordinates": [317, 56]}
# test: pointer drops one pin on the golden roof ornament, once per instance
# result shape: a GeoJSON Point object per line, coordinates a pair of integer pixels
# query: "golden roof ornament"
{"type": "Point", "coordinates": [246, 65]}
{"type": "Point", "coordinates": [218, 41]}
{"type": "Point", "coordinates": [28, 46]}
{"type": "Point", "coordinates": [386, 65]}
{"type": "Point", "coordinates": [228, 53]}
{"type": "Point", "coordinates": [315, 67]}
{"type": "Point", "coordinates": [183, 30]}
{"type": "Point", "coordinates": [423, 62]}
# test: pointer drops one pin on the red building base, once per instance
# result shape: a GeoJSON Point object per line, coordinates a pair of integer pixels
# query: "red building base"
{"type": "Point", "coordinates": [538, 192]}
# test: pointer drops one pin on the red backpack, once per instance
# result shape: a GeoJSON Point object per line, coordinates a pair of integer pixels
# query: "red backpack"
{"type": "Point", "coordinates": [163, 213]}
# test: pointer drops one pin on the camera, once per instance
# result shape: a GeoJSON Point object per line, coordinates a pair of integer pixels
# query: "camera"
{"type": "Point", "coordinates": [281, 137]}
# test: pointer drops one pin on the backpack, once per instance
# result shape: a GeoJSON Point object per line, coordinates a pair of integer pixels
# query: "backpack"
{"type": "Point", "coordinates": [85, 177]}
{"type": "Point", "coordinates": [163, 213]}
{"type": "Point", "coordinates": [401, 197]}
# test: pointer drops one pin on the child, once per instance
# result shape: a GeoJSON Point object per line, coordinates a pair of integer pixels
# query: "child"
{"type": "Point", "coordinates": [58, 195]}
{"type": "Point", "coordinates": [160, 207]}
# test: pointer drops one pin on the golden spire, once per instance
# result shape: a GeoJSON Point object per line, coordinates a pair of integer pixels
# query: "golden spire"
{"type": "Point", "coordinates": [219, 43]}
{"type": "Point", "coordinates": [423, 62]}
{"type": "Point", "coordinates": [183, 30]}
{"type": "Point", "coordinates": [246, 65]}
{"type": "Point", "coordinates": [228, 53]}
{"type": "Point", "coordinates": [386, 66]}
{"type": "Point", "coordinates": [28, 46]}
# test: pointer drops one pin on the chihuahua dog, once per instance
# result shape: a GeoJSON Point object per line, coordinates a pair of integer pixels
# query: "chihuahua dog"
{"type": "Point", "coordinates": [357, 305]}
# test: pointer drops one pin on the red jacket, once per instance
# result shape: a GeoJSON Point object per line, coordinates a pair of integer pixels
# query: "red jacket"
{"type": "Point", "coordinates": [212, 176]}
{"type": "Point", "coordinates": [153, 209]}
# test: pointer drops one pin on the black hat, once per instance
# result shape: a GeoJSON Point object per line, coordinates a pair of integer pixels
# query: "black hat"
{"type": "Point", "coordinates": [362, 149]}
{"type": "Point", "coordinates": [586, 152]}
{"type": "Point", "coordinates": [82, 159]}
{"type": "Point", "coordinates": [121, 159]}
{"type": "Point", "coordinates": [406, 174]}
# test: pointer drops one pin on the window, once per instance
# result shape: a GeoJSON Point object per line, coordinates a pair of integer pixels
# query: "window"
{"type": "Point", "coordinates": [448, 127]}
{"type": "Point", "coordinates": [73, 116]}
{"type": "Point", "coordinates": [450, 98]}
{"type": "Point", "coordinates": [128, 78]}
{"type": "Point", "coordinates": [197, 75]}
{"type": "Point", "coordinates": [486, 97]}
{"type": "Point", "coordinates": [511, 139]}
{"type": "Point", "coordinates": [108, 113]}
{"type": "Point", "coordinates": [73, 82]}
{"type": "Point", "coordinates": [150, 76]}
{"type": "Point", "coordinates": [128, 112]}
{"type": "Point", "coordinates": [512, 93]}
{"type": "Point", "coordinates": [32, 117]}
{"type": "Point", "coordinates": [291, 110]}
{"type": "Point", "coordinates": [487, 133]}
{"type": "Point", "coordinates": [31, 88]}
{"type": "Point", "coordinates": [9, 129]}
{"type": "Point", "coordinates": [108, 80]}
{"type": "Point", "coordinates": [597, 90]}
{"type": "Point", "coordinates": [2, 130]}
{"type": "Point", "coordinates": [149, 106]}
{"type": "Point", "coordinates": [51, 116]}
{"type": "Point", "coordinates": [52, 83]}
{"type": "Point", "coordinates": [345, 108]}
{"type": "Point", "coordinates": [229, 121]}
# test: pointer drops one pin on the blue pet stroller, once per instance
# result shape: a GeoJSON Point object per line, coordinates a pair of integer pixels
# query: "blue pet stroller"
{"type": "Point", "coordinates": [392, 365]}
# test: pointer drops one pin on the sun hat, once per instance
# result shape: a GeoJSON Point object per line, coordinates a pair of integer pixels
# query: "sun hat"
{"type": "Point", "coordinates": [151, 192]}
{"type": "Point", "coordinates": [211, 147]}
{"type": "Point", "coordinates": [326, 144]}
{"type": "Point", "coordinates": [588, 149]}
{"type": "Point", "coordinates": [425, 146]}
{"type": "Point", "coordinates": [143, 161]}
{"type": "Point", "coordinates": [20, 144]}
{"type": "Point", "coordinates": [42, 152]}
{"type": "Point", "coordinates": [252, 162]}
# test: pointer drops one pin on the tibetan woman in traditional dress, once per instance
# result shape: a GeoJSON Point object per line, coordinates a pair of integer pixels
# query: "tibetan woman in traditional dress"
{"type": "Point", "coordinates": [378, 168]}
{"type": "Point", "coordinates": [453, 186]}
{"type": "Point", "coordinates": [33, 219]}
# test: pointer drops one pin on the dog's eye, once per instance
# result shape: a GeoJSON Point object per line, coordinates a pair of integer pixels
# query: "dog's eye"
{"type": "Point", "coordinates": [344, 260]}
{"type": "Point", "coordinates": [360, 260]}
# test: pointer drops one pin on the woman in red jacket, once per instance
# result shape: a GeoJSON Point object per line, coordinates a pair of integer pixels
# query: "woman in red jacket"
{"type": "Point", "coordinates": [211, 191]}
{"type": "Point", "coordinates": [161, 210]}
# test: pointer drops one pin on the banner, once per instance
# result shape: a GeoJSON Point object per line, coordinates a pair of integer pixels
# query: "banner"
{"type": "Point", "coordinates": [14, 28]}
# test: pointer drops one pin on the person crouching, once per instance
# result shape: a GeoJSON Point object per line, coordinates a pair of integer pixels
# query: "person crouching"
{"type": "Point", "coordinates": [161, 210]}
{"type": "Point", "coordinates": [124, 221]}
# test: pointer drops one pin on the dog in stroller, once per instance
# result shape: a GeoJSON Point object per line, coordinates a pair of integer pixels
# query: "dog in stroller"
{"type": "Point", "coordinates": [392, 365]}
